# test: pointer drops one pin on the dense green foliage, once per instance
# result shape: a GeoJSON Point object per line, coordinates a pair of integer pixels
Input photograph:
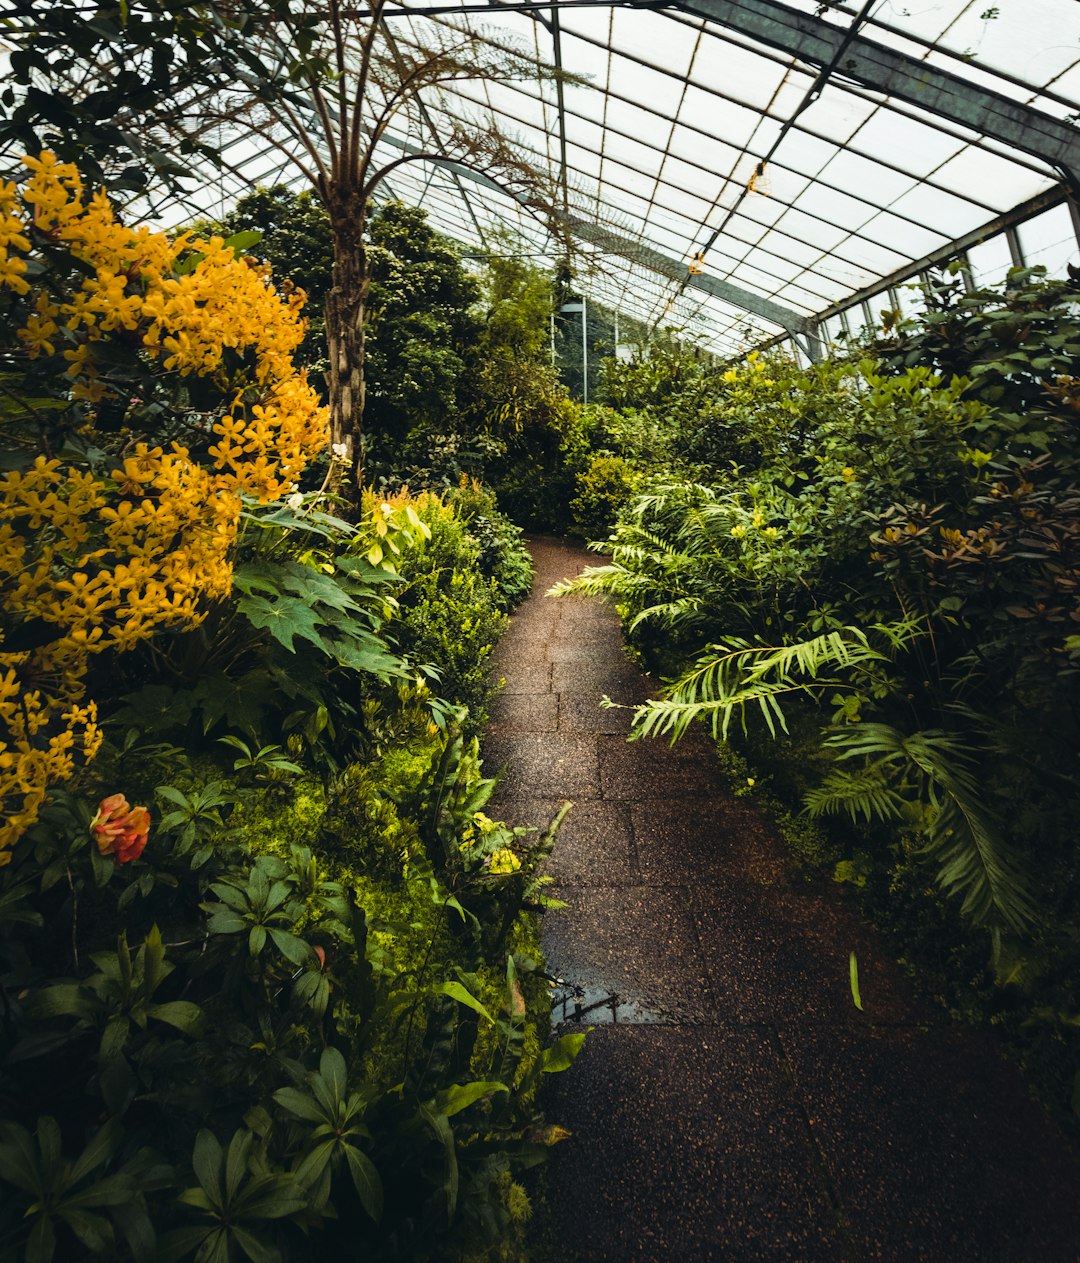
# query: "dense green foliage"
{"type": "Point", "coordinates": [460, 382]}
{"type": "Point", "coordinates": [877, 562]}
{"type": "Point", "coordinates": [318, 978]}
{"type": "Point", "coordinates": [112, 93]}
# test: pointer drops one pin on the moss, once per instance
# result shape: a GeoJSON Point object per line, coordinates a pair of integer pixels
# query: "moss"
{"type": "Point", "coordinates": [273, 819]}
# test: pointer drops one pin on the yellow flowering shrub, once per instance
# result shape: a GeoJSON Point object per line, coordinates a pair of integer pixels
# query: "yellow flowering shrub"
{"type": "Point", "coordinates": [102, 554]}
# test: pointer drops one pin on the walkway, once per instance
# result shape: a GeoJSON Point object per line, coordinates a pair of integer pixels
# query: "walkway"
{"type": "Point", "coordinates": [733, 1104]}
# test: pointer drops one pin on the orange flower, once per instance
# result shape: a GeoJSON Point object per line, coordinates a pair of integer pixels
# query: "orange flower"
{"type": "Point", "coordinates": [119, 829]}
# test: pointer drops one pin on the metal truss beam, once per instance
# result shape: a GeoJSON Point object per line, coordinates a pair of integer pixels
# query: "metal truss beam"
{"type": "Point", "coordinates": [1033, 206]}
{"type": "Point", "coordinates": [898, 75]}
{"type": "Point", "coordinates": [636, 252]}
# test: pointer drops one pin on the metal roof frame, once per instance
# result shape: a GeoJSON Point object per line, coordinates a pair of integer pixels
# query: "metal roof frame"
{"type": "Point", "coordinates": [907, 158]}
{"type": "Point", "coordinates": [896, 74]}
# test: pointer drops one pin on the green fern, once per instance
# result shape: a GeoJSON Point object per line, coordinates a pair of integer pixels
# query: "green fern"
{"type": "Point", "coordinates": [737, 674]}
{"type": "Point", "coordinates": [864, 793]}
{"type": "Point", "coordinates": [934, 773]}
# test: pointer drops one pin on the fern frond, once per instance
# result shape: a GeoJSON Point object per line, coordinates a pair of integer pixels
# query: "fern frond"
{"type": "Point", "coordinates": [866, 793]}
{"type": "Point", "coordinates": [975, 863]}
{"type": "Point", "coordinates": [593, 581]}
{"type": "Point", "coordinates": [668, 612]}
{"type": "Point", "coordinates": [737, 674]}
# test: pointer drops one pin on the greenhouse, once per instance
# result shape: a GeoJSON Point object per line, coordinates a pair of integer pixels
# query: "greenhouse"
{"type": "Point", "coordinates": [540, 631]}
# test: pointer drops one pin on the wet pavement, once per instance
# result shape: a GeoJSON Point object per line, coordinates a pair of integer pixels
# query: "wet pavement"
{"type": "Point", "coordinates": [731, 1103]}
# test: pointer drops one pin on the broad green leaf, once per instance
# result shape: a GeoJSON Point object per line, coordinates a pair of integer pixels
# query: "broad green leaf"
{"type": "Point", "coordinates": [368, 1183]}
{"type": "Point", "coordinates": [332, 1070]}
{"type": "Point", "coordinates": [459, 1096]}
{"type": "Point", "coordinates": [294, 949]}
{"type": "Point", "coordinates": [445, 1135]}
{"type": "Point", "coordinates": [19, 1163]}
{"type": "Point", "coordinates": [236, 1162]}
{"type": "Point", "coordinates": [316, 1162]}
{"type": "Point", "coordinates": [300, 1104]}
{"type": "Point", "coordinates": [241, 241]}
{"type": "Point", "coordinates": [285, 619]}
{"type": "Point", "coordinates": [102, 1147]}
{"type": "Point", "coordinates": [257, 1250]}
{"type": "Point", "coordinates": [185, 1015]}
{"type": "Point", "coordinates": [561, 1054]}
{"type": "Point", "coordinates": [41, 1244]}
{"type": "Point", "coordinates": [206, 1162]}
{"type": "Point", "coordinates": [457, 992]}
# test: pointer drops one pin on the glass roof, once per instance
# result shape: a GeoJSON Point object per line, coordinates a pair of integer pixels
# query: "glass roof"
{"type": "Point", "coordinates": [671, 113]}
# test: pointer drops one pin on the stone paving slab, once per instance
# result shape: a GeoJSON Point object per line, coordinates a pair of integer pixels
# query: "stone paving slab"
{"type": "Point", "coordinates": [583, 713]}
{"type": "Point", "coordinates": [595, 846]}
{"type": "Point", "coordinates": [639, 769]}
{"type": "Point", "coordinates": [581, 631]}
{"type": "Point", "coordinates": [622, 681]}
{"type": "Point", "coordinates": [543, 765]}
{"type": "Point", "coordinates": [532, 678]}
{"type": "Point", "coordinates": [781, 954]}
{"type": "Point", "coordinates": [569, 651]}
{"type": "Point", "coordinates": [524, 712]}
{"type": "Point", "coordinates": [510, 658]}
{"type": "Point", "coordinates": [689, 1147]}
{"type": "Point", "coordinates": [714, 838]}
{"type": "Point", "coordinates": [638, 942]}
{"type": "Point", "coordinates": [936, 1149]}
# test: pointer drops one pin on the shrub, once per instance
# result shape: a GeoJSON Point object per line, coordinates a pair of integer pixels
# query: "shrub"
{"type": "Point", "coordinates": [603, 489]}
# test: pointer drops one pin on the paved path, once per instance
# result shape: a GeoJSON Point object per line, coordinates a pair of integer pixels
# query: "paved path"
{"type": "Point", "coordinates": [732, 1104]}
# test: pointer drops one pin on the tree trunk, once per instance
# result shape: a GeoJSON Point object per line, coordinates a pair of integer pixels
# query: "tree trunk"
{"type": "Point", "coordinates": [346, 315]}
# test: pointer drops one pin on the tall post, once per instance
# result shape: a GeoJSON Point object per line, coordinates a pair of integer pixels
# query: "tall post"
{"type": "Point", "coordinates": [584, 351]}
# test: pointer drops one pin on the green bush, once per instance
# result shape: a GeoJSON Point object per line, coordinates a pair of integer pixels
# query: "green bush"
{"type": "Point", "coordinates": [603, 489]}
{"type": "Point", "coordinates": [358, 1045]}
{"type": "Point", "coordinates": [502, 556]}
{"type": "Point", "coordinates": [449, 614]}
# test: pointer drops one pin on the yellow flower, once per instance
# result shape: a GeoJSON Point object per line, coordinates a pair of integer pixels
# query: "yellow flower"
{"type": "Point", "coordinates": [503, 862]}
{"type": "Point", "coordinates": [109, 561]}
{"type": "Point", "coordinates": [12, 273]}
{"type": "Point", "coordinates": [848, 474]}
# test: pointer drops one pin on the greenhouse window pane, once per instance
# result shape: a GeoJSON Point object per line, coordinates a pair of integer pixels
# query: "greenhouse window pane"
{"type": "Point", "coordinates": [1049, 240]}
{"type": "Point", "coordinates": [734, 123]}
{"type": "Point", "coordinates": [651, 36]}
{"type": "Point", "coordinates": [989, 179]}
{"type": "Point", "coordinates": [1018, 39]}
{"type": "Point", "coordinates": [914, 146]}
{"type": "Point", "coordinates": [738, 72]}
{"type": "Point", "coordinates": [838, 114]}
{"type": "Point", "coordinates": [940, 211]}
{"type": "Point", "coordinates": [990, 261]}
{"type": "Point", "coordinates": [865, 177]}
{"type": "Point", "coordinates": [903, 236]}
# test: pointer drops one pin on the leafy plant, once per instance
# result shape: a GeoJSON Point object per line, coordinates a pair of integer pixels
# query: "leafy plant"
{"type": "Point", "coordinates": [933, 771]}
{"type": "Point", "coordinates": [334, 1134]}
{"type": "Point", "coordinates": [234, 1200]}
{"type": "Point", "coordinates": [73, 1196]}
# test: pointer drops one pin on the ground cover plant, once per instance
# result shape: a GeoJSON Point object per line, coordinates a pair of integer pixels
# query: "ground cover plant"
{"type": "Point", "coordinates": [270, 976]}
{"type": "Point", "coordinates": [864, 576]}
